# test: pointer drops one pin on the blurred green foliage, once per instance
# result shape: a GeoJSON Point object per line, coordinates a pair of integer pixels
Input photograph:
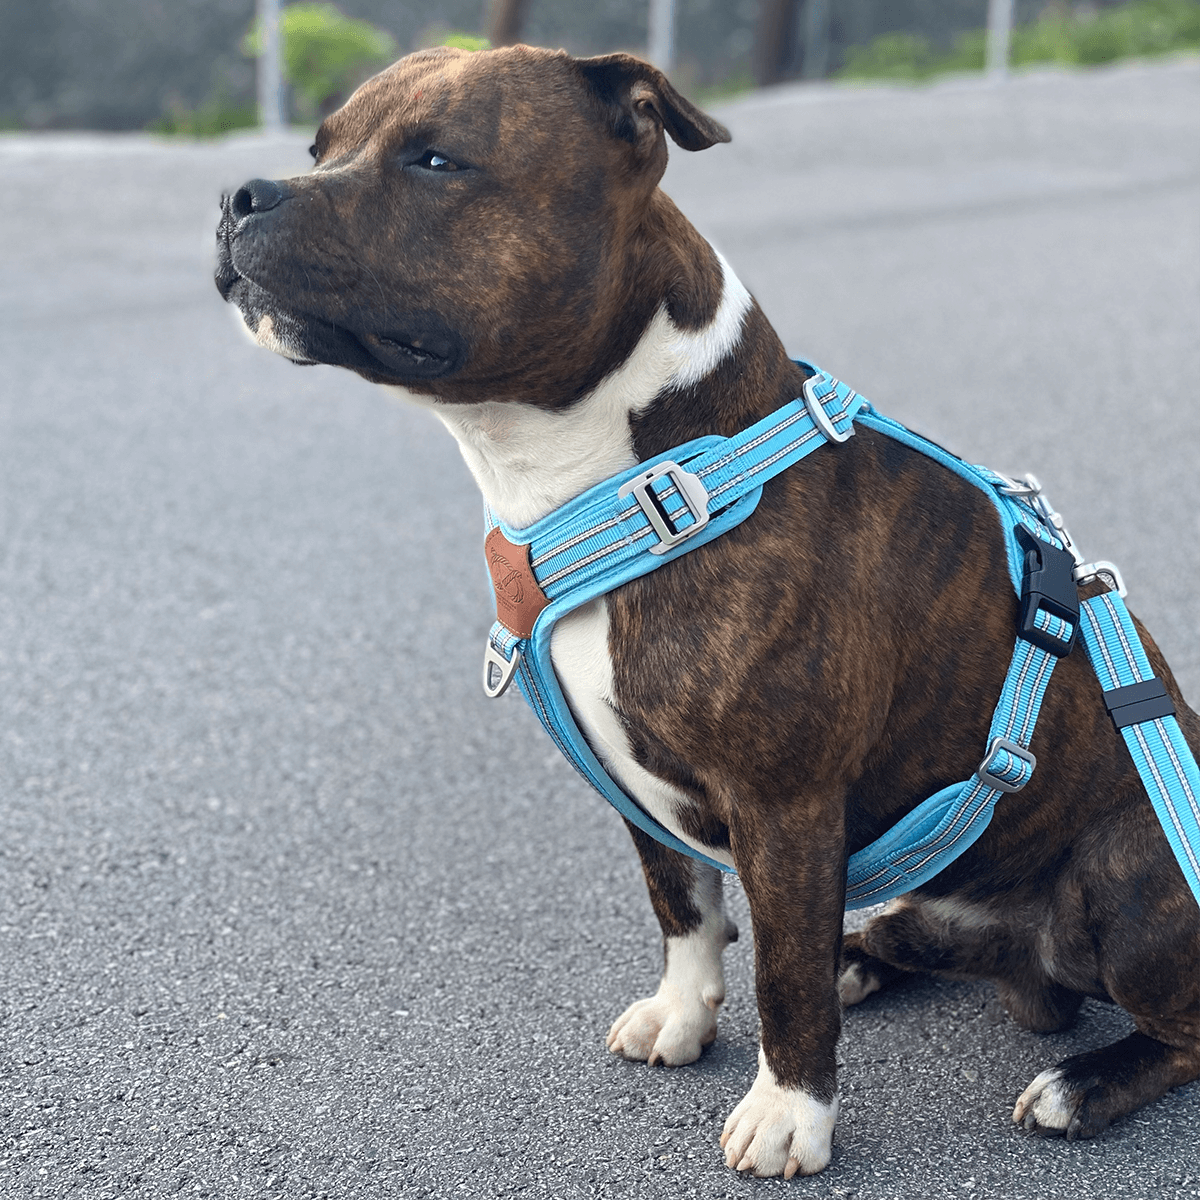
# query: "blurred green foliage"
{"type": "Point", "coordinates": [1138, 29]}
{"type": "Point", "coordinates": [461, 41]}
{"type": "Point", "coordinates": [212, 119]}
{"type": "Point", "coordinates": [325, 55]}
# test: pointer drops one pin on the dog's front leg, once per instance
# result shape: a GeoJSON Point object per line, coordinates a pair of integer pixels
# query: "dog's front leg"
{"type": "Point", "coordinates": [674, 1025]}
{"type": "Point", "coordinates": [794, 876]}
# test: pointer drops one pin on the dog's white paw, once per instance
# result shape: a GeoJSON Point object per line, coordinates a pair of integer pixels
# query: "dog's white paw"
{"type": "Point", "coordinates": [664, 1029]}
{"type": "Point", "coordinates": [856, 984]}
{"type": "Point", "coordinates": [779, 1131]}
{"type": "Point", "coordinates": [1047, 1103]}
{"type": "Point", "coordinates": [674, 1025]}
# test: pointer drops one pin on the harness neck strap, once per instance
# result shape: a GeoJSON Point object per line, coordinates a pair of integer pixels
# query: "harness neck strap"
{"type": "Point", "coordinates": [632, 523]}
{"type": "Point", "coordinates": [626, 527]}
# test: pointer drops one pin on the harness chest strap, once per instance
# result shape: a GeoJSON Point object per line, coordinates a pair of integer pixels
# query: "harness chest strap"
{"type": "Point", "coordinates": [632, 523]}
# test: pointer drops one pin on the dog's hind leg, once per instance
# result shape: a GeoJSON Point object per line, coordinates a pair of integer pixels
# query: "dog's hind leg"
{"type": "Point", "coordinates": [674, 1025]}
{"type": "Point", "coordinates": [861, 973]}
{"type": "Point", "coordinates": [1084, 1094]}
{"type": "Point", "coordinates": [1149, 963]}
{"type": "Point", "coordinates": [948, 937]}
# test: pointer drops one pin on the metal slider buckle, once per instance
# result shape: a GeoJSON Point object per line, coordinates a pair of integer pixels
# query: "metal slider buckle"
{"type": "Point", "coordinates": [691, 490]}
{"type": "Point", "coordinates": [506, 668]}
{"type": "Point", "coordinates": [820, 417]}
{"type": "Point", "coordinates": [985, 775]}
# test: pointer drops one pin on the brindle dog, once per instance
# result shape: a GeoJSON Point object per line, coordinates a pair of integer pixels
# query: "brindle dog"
{"type": "Point", "coordinates": [485, 234]}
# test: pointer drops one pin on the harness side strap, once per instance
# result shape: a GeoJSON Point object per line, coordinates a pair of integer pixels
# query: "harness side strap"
{"type": "Point", "coordinates": [949, 822]}
{"type": "Point", "coordinates": [1162, 756]}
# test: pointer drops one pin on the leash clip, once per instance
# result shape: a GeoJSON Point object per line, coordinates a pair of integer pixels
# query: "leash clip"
{"type": "Point", "coordinates": [1103, 570]}
{"type": "Point", "coordinates": [1031, 492]}
{"type": "Point", "coordinates": [820, 417]}
{"type": "Point", "coordinates": [691, 491]}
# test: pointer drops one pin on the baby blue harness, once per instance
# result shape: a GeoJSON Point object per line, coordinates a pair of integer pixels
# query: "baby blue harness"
{"type": "Point", "coordinates": [658, 510]}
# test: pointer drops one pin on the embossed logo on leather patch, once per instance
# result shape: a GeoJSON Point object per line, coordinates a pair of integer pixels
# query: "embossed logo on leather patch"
{"type": "Point", "coordinates": [519, 599]}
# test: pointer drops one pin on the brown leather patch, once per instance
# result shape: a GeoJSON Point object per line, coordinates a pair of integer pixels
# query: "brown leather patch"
{"type": "Point", "coordinates": [519, 600]}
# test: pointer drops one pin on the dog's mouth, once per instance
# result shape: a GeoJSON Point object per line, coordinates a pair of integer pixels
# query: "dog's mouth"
{"type": "Point", "coordinates": [424, 352]}
{"type": "Point", "coordinates": [416, 348]}
{"type": "Point", "coordinates": [396, 347]}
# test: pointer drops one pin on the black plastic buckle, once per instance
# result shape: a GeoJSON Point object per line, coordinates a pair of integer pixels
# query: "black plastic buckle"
{"type": "Point", "coordinates": [1049, 586]}
{"type": "Point", "coordinates": [1145, 701]}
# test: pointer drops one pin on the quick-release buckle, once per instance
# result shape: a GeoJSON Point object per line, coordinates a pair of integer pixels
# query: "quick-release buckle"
{"type": "Point", "coordinates": [1047, 585]}
{"type": "Point", "coordinates": [691, 491]}
{"type": "Point", "coordinates": [984, 770]}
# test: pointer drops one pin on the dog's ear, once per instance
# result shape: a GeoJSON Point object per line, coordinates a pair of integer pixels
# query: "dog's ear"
{"type": "Point", "coordinates": [638, 100]}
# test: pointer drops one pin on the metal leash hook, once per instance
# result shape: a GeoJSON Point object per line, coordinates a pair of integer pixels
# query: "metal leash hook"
{"type": "Point", "coordinates": [1030, 490]}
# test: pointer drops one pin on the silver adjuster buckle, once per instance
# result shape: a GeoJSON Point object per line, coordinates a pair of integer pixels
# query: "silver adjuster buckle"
{"type": "Point", "coordinates": [495, 685]}
{"type": "Point", "coordinates": [983, 771]}
{"type": "Point", "coordinates": [820, 417]}
{"type": "Point", "coordinates": [691, 490]}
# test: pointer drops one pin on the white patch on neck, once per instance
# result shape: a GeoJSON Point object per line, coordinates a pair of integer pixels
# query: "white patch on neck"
{"type": "Point", "coordinates": [529, 461]}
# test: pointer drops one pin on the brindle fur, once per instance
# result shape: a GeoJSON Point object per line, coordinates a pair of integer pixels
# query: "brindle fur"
{"type": "Point", "coordinates": [807, 678]}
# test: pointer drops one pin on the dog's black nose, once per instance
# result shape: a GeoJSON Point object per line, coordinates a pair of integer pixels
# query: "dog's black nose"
{"type": "Point", "coordinates": [259, 195]}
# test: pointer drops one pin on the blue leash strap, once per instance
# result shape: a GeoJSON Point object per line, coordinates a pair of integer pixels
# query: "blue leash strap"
{"type": "Point", "coordinates": [1147, 723]}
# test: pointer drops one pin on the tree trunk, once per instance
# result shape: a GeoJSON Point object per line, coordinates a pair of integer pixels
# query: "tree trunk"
{"type": "Point", "coordinates": [774, 40]}
{"type": "Point", "coordinates": [505, 20]}
{"type": "Point", "coordinates": [816, 39]}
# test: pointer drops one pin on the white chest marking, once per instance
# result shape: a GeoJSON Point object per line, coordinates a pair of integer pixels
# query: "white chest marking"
{"type": "Point", "coordinates": [528, 462]}
{"type": "Point", "coordinates": [579, 649]}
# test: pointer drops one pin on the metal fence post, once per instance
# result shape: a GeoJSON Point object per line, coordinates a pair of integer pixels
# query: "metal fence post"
{"type": "Point", "coordinates": [660, 39]}
{"type": "Point", "coordinates": [270, 77]}
{"type": "Point", "coordinates": [999, 30]}
{"type": "Point", "coordinates": [815, 60]}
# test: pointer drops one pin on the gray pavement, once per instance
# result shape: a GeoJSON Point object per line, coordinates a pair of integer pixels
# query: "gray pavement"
{"type": "Point", "coordinates": [286, 907]}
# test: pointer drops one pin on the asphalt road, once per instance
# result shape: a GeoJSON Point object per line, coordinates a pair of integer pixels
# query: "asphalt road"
{"type": "Point", "coordinates": [286, 906]}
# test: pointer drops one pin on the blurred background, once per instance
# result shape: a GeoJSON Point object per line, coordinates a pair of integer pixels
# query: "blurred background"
{"type": "Point", "coordinates": [189, 65]}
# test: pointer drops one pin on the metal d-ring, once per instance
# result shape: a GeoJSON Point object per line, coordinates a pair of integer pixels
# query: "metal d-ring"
{"type": "Point", "coordinates": [506, 668]}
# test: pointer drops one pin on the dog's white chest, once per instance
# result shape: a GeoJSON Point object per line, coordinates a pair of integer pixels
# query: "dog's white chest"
{"type": "Point", "coordinates": [579, 651]}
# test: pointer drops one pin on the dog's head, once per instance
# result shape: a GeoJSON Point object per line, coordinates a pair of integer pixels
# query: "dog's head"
{"type": "Point", "coordinates": [471, 224]}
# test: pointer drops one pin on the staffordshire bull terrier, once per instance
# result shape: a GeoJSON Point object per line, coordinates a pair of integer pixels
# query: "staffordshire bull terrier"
{"type": "Point", "coordinates": [484, 234]}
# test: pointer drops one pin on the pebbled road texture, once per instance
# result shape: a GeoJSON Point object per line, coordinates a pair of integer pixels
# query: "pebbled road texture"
{"type": "Point", "coordinates": [286, 907]}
